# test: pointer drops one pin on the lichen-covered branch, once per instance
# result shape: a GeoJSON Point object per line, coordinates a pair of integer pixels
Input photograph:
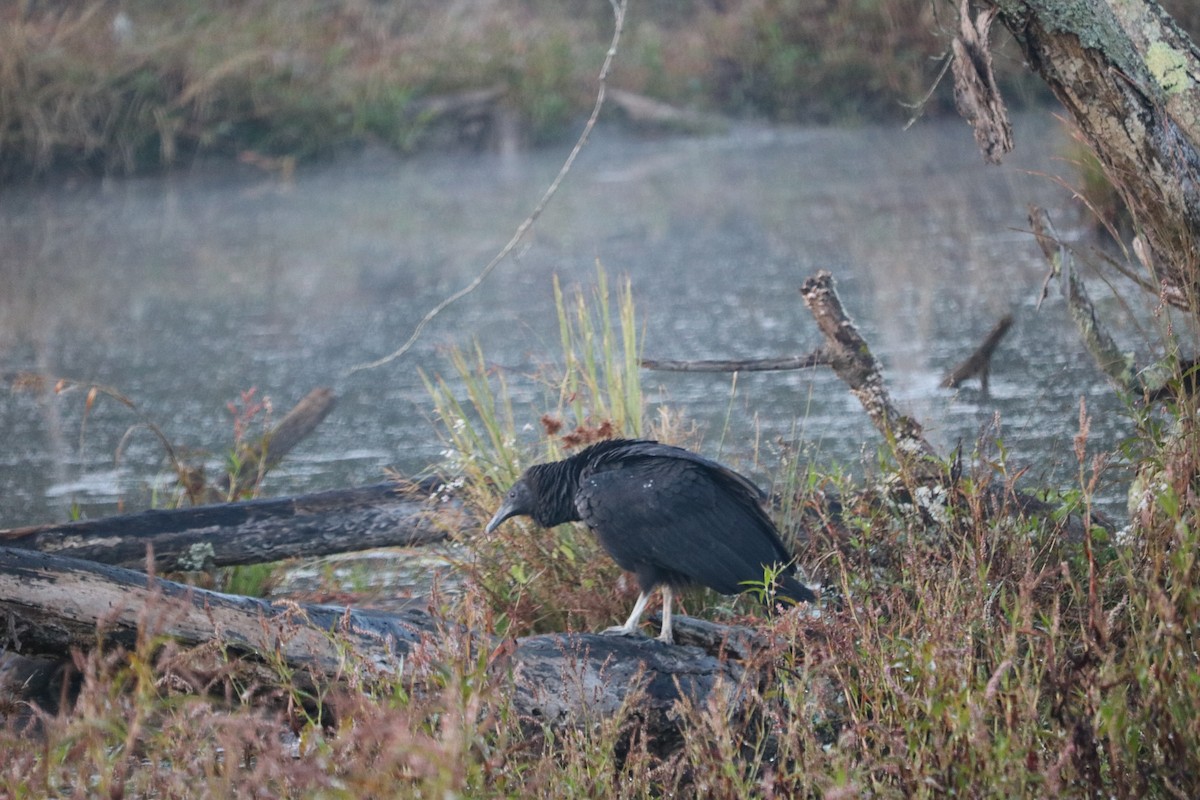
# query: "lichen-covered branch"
{"type": "Point", "coordinates": [1117, 366]}
{"type": "Point", "coordinates": [853, 362]}
{"type": "Point", "coordinates": [1130, 79]}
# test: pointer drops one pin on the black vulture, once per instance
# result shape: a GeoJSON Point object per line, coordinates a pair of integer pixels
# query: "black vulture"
{"type": "Point", "coordinates": [670, 516]}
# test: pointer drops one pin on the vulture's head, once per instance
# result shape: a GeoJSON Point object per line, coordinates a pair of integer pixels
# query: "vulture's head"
{"type": "Point", "coordinates": [519, 501]}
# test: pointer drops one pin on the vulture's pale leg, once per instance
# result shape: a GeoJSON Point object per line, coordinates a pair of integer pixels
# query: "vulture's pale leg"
{"type": "Point", "coordinates": [630, 625]}
{"type": "Point", "coordinates": [665, 635]}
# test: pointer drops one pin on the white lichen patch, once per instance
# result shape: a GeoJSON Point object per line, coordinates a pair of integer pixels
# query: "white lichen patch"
{"type": "Point", "coordinates": [197, 558]}
{"type": "Point", "coordinates": [933, 500]}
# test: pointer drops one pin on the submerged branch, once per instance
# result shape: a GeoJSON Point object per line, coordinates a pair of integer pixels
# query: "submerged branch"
{"type": "Point", "coordinates": [979, 363]}
{"type": "Point", "coordinates": [817, 358]}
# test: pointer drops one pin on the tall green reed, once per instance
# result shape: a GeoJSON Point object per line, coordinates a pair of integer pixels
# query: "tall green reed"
{"type": "Point", "coordinates": [540, 580]}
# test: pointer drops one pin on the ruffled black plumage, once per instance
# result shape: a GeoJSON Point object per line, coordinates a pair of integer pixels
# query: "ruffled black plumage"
{"type": "Point", "coordinates": [670, 516]}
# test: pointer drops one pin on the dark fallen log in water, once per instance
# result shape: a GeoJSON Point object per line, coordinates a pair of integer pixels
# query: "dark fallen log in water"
{"type": "Point", "coordinates": [50, 605]}
{"type": "Point", "coordinates": [256, 531]}
{"type": "Point", "coordinates": [979, 363]}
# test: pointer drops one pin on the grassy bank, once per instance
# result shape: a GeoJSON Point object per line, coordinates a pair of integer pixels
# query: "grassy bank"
{"type": "Point", "coordinates": [125, 87]}
{"type": "Point", "coordinates": [982, 654]}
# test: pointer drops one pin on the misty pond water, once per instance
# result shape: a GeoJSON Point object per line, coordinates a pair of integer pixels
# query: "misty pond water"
{"type": "Point", "coordinates": [183, 291]}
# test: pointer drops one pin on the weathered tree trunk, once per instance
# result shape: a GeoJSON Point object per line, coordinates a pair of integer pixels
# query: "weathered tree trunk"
{"type": "Point", "coordinates": [1130, 78]}
{"type": "Point", "coordinates": [255, 531]}
{"type": "Point", "coordinates": [50, 604]}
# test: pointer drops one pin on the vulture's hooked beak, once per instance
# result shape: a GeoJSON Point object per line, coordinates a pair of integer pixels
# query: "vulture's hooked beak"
{"type": "Point", "coordinates": [517, 500]}
{"type": "Point", "coordinates": [505, 511]}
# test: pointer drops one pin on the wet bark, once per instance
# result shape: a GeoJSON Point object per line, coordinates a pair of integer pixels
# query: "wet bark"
{"type": "Point", "coordinates": [256, 531]}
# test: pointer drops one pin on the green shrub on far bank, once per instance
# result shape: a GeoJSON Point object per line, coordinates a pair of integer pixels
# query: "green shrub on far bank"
{"type": "Point", "coordinates": [137, 86]}
{"type": "Point", "coordinates": [142, 86]}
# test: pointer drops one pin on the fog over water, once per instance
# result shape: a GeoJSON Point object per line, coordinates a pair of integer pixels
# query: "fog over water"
{"type": "Point", "coordinates": [183, 291]}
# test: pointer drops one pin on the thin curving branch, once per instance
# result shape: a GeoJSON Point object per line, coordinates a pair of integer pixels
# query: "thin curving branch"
{"type": "Point", "coordinates": [523, 228]}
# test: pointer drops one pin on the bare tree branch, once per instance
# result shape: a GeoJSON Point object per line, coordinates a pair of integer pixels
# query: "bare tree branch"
{"type": "Point", "coordinates": [851, 359]}
{"type": "Point", "coordinates": [257, 458]}
{"type": "Point", "coordinates": [1116, 365]}
{"type": "Point", "coordinates": [523, 228]}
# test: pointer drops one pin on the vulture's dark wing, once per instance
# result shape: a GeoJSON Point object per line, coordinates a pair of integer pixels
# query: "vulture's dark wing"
{"type": "Point", "coordinates": [627, 450]}
{"type": "Point", "coordinates": [679, 513]}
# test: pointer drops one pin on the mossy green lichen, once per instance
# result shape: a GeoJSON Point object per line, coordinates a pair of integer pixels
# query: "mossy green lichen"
{"type": "Point", "coordinates": [1168, 66]}
{"type": "Point", "coordinates": [1094, 24]}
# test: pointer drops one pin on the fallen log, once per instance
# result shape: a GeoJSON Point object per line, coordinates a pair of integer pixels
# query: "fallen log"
{"type": "Point", "coordinates": [50, 605]}
{"type": "Point", "coordinates": [256, 531]}
{"type": "Point", "coordinates": [979, 363]}
{"type": "Point", "coordinates": [476, 118]}
{"type": "Point", "coordinates": [470, 103]}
